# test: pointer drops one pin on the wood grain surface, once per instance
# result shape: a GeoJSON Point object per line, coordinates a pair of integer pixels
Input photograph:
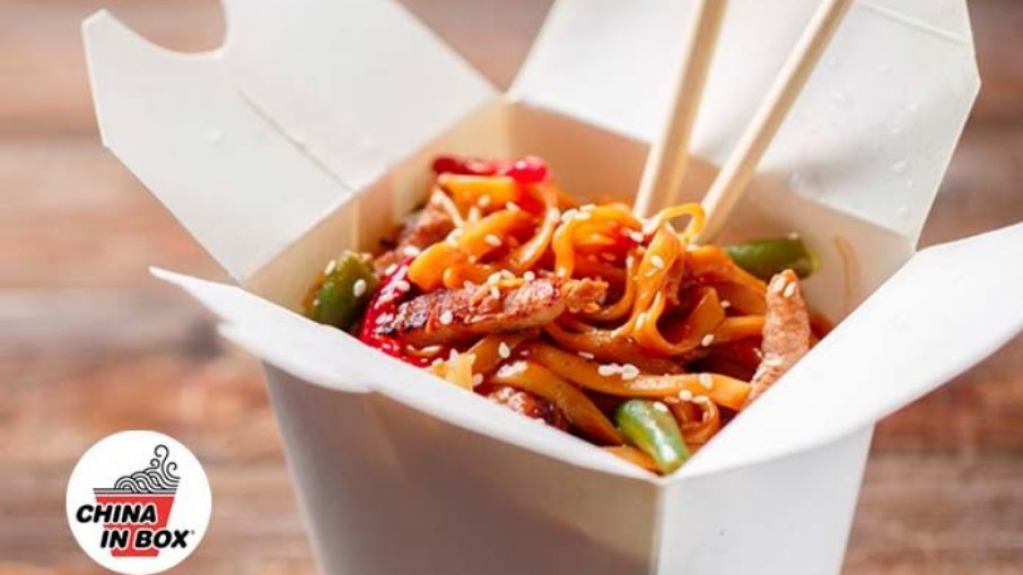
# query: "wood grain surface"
{"type": "Point", "coordinates": [90, 344]}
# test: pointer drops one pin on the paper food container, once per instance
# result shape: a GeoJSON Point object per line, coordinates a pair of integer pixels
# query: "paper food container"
{"type": "Point", "coordinates": [311, 130]}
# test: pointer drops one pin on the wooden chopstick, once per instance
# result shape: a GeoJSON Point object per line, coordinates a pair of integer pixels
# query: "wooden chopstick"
{"type": "Point", "coordinates": [668, 158]}
{"type": "Point", "coordinates": [737, 172]}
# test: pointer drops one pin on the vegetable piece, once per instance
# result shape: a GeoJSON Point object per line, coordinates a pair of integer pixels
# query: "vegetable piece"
{"type": "Point", "coordinates": [527, 170]}
{"type": "Point", "coordinates": [346, 288]}
{"type": "Point", "coordinates": [650, 426]}
{"type": "Point", "coordinates": [382, 309]}
{"type": "Point", "coordinates": [465, 166]}
{"type": "Point", "coordinates": [765, 258]}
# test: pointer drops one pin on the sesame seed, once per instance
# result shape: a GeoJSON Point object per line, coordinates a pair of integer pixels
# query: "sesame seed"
{"type": "Point", "coordinates": [385, 318]}
{"type": "Point", "coordinates": [582, 216]}
{"type": "Point", "coordinates": [453, 355]}
{"type": "Point", "coordinates": [794, 236]}
{"type": "Point", "coordinates": [477, 378]}
{"type": "Point", "coordinates": [725, 304]}
{"type": "Point", "coordinates": [447, 317]}
{"type": "Point", "coordinates": [637, 237]}
{"type": "Point", "coordinates": [585, 355]}
{"type": "Point", "coordinates": [506, 275]}
{"type": "Point", "coordinates": [706, 380]}
{"type": "Point", "coordinates": [685, 395]}
{"type": "Point", "coordinates": [494, 292]}
{"type": "Point", "coordinates": [529, 276]}
{"type": "Point", "coordinates": [660, 407]}
{"type": "Point", "coordinates": [331, 266]}
{"type": "Point", "coordinates": [511, 369]}
{"type": "Point", "coordinates": [359, 287]}
{"type": "Point", "coordinates": [411, 251]}
{"type": "Point", "coordinates": [402, 286]}
{"type": "Point", "coordinates": [778, 285]}
{"type": "Point", "coordinates": [391, 269]}
{"type": "Point", "coordinates": [707, 340]}
{"type": "Point", "coordinates": [503, 350]}
{"type": "Point", "coordinates": [512, 207]}
{"type": "Point", "coordinates": [790, 289]}
{"type": "Point", "coordinates": [483, 202]}
{"type": "Point", "coordinates": [658, 262]}
{"type": "Point", "coordinates": [609, 369]}
{"type": "Point", "coordinates": [316, 302]}
{"type": "Point", "coordinates": [493, 278]}
{"type": "Point", "coordinates": [493, 241]}
{"type": "Point", "coordinates": [629, 372]}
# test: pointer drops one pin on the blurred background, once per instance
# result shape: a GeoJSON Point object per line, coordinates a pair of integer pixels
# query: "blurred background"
{"type": "Point", "coordinates": [90, 344]}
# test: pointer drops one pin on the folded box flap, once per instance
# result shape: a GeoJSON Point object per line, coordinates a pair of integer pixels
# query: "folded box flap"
{"type": "Point", "coordinates": [944, 311]}
{"type": "Point", "coordinates": [179, 125]}
{"type": "Point", "coordinates": [333, 359]}
{"type": "Point", "coordinates": [307, 101]}
{"type": "Point", "coordinates": [360, 84]}
{"type": "Point", "coordinates": [871, 135]}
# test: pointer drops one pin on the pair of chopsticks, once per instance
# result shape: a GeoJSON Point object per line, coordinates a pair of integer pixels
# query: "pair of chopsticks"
{"type": "Point", "coordinates": [666, 164]}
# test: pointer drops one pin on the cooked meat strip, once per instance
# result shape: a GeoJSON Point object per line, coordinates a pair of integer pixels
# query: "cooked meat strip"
{"type": "Point", "coordinates": [426, 227]}
{"type": "Point", "coordinates": [786, 332]}
{"type": "Point", "coordinates": [529, 405]}
{"type": "Point", "coordinates": [448, 316]}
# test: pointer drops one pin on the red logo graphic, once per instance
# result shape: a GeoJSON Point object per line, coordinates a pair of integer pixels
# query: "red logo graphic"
{"type": "Point", "coordinates": [134, 512]}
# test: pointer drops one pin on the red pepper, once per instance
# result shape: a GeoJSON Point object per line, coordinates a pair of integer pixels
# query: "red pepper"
{"type": "Point", "coordinates": [526, 170]}
{"type": "Point", "coordinates": [465, 166]}
{"type": "Point", "coordinates": [384, 306]}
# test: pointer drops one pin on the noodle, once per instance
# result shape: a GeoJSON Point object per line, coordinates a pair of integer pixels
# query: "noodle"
{"type": "Point", "coordinates": [632, 309]}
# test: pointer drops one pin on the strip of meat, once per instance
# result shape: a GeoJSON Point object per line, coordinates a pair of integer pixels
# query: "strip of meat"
{"type": "Point", "coordinates": [787, 333]}
{"type": "Point", "coordinates": [449, 316]}
{"type": "Point", "coordinates": [428, 226]}
{"type": "Point", "coordinates": [529, 405]}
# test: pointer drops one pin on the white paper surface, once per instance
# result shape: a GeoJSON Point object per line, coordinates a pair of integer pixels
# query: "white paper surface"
{"type": "Point", "coordinates": [872, 134]}
{"type": "Point", "coordinates": [252, 144]}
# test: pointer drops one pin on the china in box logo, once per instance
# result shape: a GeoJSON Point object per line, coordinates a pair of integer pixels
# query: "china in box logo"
{"type": "Point", "coordinates": [139, 521]}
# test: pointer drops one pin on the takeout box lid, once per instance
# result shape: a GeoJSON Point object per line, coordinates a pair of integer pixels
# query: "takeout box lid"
{"type": "Point", "coordinates": [309, 101]}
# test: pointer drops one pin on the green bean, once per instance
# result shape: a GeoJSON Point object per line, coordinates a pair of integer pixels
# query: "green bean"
{"type": "Point", "coordinates": [765, 258]}
{"type": "Point", "coordinates": [345, 290]}
{"type": "Point", "coordinates": [651, 427]}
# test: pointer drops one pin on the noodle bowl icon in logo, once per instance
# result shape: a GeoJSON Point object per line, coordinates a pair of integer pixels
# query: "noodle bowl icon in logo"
{"type": "Point", "coordinates": [143, 521]}
{"type": "Point", "coordinates": [137, 504]}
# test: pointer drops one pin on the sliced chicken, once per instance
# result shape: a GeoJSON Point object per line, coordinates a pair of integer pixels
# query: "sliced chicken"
{"type": "Point", "coordinates": [449, 316]}
{"type": "Point", "coordinates": [424, 228]}
{"type": "Point", "coordinates": [787, 333]}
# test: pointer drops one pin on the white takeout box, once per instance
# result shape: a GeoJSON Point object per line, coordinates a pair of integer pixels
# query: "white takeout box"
{"type": "Point", "coordinates": [311, 130]}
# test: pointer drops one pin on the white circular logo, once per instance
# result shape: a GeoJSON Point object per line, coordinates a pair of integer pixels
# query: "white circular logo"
{"type": "Point", "coordinates": [138, 502]}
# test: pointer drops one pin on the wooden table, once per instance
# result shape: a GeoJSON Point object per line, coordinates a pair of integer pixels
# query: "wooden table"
{"type": "Point", "coordinates": [90, 344]}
